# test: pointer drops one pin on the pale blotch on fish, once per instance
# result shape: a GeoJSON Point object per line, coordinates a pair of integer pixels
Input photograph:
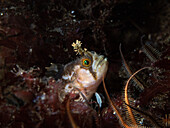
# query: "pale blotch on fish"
{"type": "Point", "coordinates": [83, 74]}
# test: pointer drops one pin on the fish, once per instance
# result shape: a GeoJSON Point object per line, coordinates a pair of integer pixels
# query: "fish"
{"type": "Point", "coordinates": [83, 76]}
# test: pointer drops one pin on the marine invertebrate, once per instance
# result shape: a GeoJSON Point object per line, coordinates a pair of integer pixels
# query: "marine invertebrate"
{"type": "Point", "coordinates": [74, 125]}
{"type": "Point", "coordinates": [131, 121]}
{"type": "Point", "coordinates": [133, 113]}
{"type": "Point", "coordinates": [129, 71]}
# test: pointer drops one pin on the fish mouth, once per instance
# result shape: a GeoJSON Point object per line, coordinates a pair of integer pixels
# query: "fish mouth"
{"type": "Point", "coordinates": [99, 62]}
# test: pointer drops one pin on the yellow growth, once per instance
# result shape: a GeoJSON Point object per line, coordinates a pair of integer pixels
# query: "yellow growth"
{"type": "Point", "coordinates": [77, 48]}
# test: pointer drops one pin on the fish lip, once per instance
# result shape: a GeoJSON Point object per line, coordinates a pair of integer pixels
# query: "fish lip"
{"type": "Point", "coordinates": [101, 60]}
{"type": "Point", "coordinates": [98, 62]}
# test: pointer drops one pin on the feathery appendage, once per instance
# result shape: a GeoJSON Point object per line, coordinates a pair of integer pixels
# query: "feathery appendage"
{"type": "Point", "coordinates": [74, 125]}
{"type": "Point", "coordinates": [130, 114]}
{"type": "Point", "coordinates": [129, 71]}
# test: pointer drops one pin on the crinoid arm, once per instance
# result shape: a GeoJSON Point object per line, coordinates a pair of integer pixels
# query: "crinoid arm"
{"type": "Point", "coordinates": [114, 107]}
{"type": "Point", "coordinates": [152, 53]}
{"type": "Point", "coordinates": [74, 125]}
{"type": "Point", "coordinates": [131, 117]}
{"type": "Point", "coordinates": [137, 82]}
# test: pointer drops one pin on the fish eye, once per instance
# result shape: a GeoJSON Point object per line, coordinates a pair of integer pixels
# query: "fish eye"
{"type": "Point", "coordinates": [86, 62]}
